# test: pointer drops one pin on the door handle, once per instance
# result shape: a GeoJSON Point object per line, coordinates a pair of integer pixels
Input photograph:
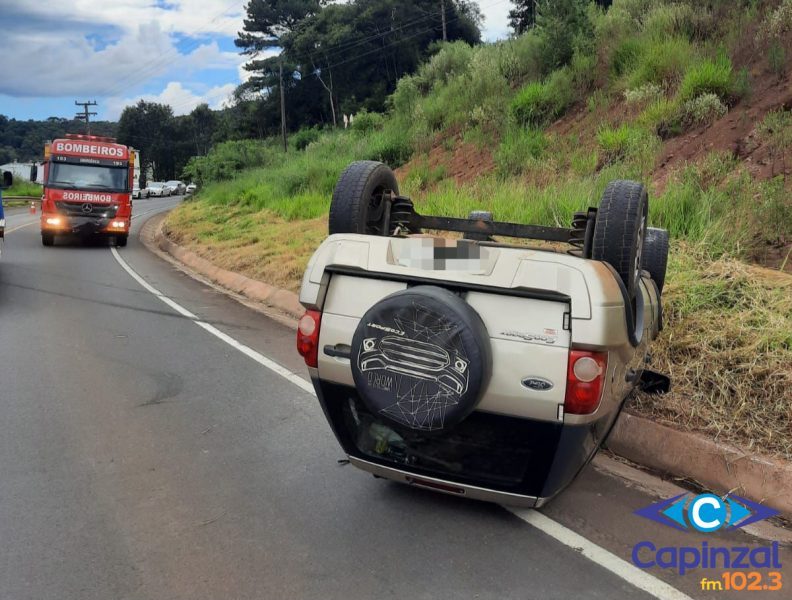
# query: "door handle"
{"type": "Point", "coordinates": [339, 351]}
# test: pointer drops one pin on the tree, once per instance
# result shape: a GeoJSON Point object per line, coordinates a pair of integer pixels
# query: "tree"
{"type": "Point", "coordinates": [343, 57]}
{"type": "Point", "coordinates": [269, 21]}
{"type": "Point", "coordinates": [523, 16]}
{"type": "Point", "coordinates": [560, 24]}
{"type": "Point", "coordinates": [203, 122]}
{"type": "Point", "coordinates": [149, 127]}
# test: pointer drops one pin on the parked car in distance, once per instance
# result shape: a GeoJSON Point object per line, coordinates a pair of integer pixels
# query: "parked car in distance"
{"type": "Point", "coordinates": [138, 193]}
{"type": "Point", "coordinates": [178, 187]}
{"type": "Point", "coordinates": [191, 189]}
{"type": "Point", "coordinates": [158, 189]}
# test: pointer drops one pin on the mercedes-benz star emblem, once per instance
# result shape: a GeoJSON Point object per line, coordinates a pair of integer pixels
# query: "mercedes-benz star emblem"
{"type": "Point", "coordinates": [87, 208]}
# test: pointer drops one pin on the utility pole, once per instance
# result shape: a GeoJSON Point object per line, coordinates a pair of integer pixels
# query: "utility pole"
{"type": "Point", "coordinates": [442, 12]}
{"type": "Point", "coordinates": [283, 107]}
{"type": "Point", "coordinates": [85, 115]}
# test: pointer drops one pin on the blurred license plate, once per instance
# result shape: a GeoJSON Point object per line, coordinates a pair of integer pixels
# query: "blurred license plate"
{"type": "Point", "coordinates": [438, 254]}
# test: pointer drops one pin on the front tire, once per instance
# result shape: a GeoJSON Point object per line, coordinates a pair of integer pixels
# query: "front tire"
{"type": "Point", "coordinates": [121, 241]}
{"type": "Point", "coordinates": [357, 205]}
{"type": "Point", "coordinates": [47, 239]}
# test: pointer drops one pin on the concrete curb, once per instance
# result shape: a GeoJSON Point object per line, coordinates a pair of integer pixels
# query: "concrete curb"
{"type": "Point", "coordinates": [718, 467]}
{"type": "Point", "coordinates": [258, 291]}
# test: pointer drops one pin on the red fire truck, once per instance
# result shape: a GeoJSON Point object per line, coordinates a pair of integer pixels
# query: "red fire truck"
{"type": "Point", "coordinates": [87, 188]}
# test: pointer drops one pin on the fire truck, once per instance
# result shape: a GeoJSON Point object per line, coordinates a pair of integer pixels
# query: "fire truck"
{"type": "Point", "coordinates": [87, 188]}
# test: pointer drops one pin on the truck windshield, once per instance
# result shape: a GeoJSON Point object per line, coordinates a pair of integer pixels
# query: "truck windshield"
{"type": "Point", "coordinates": [88, 177]}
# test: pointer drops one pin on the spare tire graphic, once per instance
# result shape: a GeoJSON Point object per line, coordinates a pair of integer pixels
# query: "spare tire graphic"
{"type": "Point", "coordinates": [421, 358]}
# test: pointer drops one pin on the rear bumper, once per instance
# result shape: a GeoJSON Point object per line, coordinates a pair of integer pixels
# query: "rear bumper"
{"type": "Point", "coordinates": [490, 457]}
{"type": "Point", "coordinates": [447, 487]}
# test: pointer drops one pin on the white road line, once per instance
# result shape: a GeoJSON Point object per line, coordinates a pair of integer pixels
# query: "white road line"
{"type": "Point", "coordinates": [248, 351]}
{"type": "Point", "coordinates": [18, 227]}
{"type": "Point", "coordinates": [606, 559]}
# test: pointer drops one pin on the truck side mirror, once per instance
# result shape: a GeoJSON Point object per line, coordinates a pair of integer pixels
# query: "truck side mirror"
{"type": "Point", "coordinates": [34, 173]}
{"type": "Point", "coordinates": [8, 179]}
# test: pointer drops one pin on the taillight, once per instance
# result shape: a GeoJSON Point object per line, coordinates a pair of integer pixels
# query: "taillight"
{"type": "Point", "coordinates": [585, 379]}
{"type": "Point", "coordinates": [308, 337]}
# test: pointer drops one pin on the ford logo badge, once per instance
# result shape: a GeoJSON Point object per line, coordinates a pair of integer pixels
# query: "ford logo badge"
{"type": "Point", "coordinates": [537, 384]}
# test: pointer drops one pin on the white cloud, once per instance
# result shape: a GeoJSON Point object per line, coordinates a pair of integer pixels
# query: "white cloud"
{"type": "Point", "coordinates": [60, 67]}
{"type": "Point", "coordinates": [179, 98]}
{"type": "Point", "coordinates": [189, 17]}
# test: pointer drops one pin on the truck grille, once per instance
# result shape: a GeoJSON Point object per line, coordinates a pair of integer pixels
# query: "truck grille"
{"type": "Point", "coordinates": [75, 209]}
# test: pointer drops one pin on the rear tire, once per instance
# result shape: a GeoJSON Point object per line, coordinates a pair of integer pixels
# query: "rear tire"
{"type": "Point", "coordinates": [655, 255]}
{"type": "Point", "coordinates": [357, 205]}
{"type": "Point", "coordinates": [120, 241]}
{"type": "Point", "coordinates": [620, 229]}
{"type": "Point", "coordinates": [47, 239]}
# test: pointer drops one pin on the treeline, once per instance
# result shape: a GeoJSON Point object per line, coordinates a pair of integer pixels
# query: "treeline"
{"type": "Point", "coordinates": [166, 142]}
{"type": "Point", "coordinates": [23, 141]}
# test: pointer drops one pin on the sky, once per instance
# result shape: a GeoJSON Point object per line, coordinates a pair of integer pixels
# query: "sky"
{"type": "Point", "coordinates": [178, 52]}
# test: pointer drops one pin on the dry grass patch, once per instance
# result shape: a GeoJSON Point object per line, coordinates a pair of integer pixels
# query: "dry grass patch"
{"type": "Point", "coordinates": [259, 244]}
{"type": "Point", "coordinates": [727, 345]}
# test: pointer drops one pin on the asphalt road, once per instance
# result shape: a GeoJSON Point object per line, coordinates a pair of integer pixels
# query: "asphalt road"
{"type": "Point", "coordinates": [143, 458]}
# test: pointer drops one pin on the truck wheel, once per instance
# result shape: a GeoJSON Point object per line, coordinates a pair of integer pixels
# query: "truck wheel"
{"type": "Point", "coordinates": [655, 255]}
{"type": "Point", "coordinates": [47, 239]}
{"type": "Point", "coordinates": [620, 229]}
{"type": "Point", "coordinates": [120, 241]}
{"type": "Point", "coordinates": [357, 205]}
{"type": "Point", "coordinates": [421, 359]}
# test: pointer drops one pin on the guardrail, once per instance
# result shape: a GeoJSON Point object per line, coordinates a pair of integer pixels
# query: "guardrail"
{"type": "Point", "coordinates": [21, 198]}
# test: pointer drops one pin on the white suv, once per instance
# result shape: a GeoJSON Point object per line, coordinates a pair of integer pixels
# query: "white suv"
{"type": "Point", "coordinates": [470, 366]}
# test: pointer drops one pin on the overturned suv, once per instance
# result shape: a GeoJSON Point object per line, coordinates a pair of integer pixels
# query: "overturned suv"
{"type": "Point", "coordinates": [468, 365]}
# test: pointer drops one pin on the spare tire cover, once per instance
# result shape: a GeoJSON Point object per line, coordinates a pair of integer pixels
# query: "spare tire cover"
{"type": "Point", "coordinates": [421, 358]}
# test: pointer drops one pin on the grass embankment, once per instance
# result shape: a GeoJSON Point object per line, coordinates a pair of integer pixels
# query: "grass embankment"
{"type": "Point", "coordinates": [23, 188]}
{"type": "Point", "coordinates": [650, 72]}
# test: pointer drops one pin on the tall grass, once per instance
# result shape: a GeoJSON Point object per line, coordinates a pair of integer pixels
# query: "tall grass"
{"type": "Point", "coordinates": [662, 62]}
{"type": "Point", "coordinates": [23, 188]}
{"type": "Point", "coordinates": [538, 103]}
{"type": "Point", "coordinates": [708, 77]}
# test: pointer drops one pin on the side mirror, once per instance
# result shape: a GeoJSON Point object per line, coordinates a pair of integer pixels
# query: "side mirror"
{"type": "Point", "coordinates": [34, 173]}
{"type": "Point", "coordinates": [654, 383]}
{"type": "Point", "coordinates": [8, 179]}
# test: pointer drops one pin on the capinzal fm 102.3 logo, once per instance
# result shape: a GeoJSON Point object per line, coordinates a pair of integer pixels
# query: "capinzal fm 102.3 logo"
{"type": "Point", "coordinates": [705, 513]}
